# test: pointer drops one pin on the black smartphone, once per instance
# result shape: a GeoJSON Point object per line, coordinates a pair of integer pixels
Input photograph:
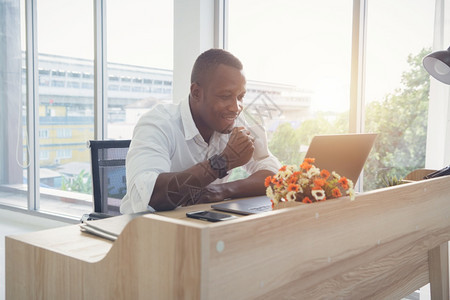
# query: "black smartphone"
{"type": "Point", "coordinates": [210, 216]}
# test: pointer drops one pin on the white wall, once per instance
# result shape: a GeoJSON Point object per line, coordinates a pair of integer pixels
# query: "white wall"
{"type": "Point", "coordinates": [193, 34]}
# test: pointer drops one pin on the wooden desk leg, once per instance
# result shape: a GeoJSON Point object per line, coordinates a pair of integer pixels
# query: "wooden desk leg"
{"type": "Point", "coordinates": [438, 270]}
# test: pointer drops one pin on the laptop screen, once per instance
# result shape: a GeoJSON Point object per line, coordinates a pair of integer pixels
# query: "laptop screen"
{"type": "Point", "coordinates": [345, 154]}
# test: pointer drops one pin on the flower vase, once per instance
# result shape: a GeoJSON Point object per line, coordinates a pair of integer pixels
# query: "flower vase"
{"type": "Point", "coordinates": [286, 204]}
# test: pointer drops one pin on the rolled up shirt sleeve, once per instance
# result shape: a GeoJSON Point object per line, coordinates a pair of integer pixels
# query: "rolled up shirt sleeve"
{"type": "Point", "coordinates": [148, 156]}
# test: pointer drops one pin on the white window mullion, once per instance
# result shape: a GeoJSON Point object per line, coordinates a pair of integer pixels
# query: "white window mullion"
{"type": "Point", "coordinates": [359, 30]}
{"type": "Point", "coordinates": [220, 24]}
{"type": "Point", "coordinates": [100, 70]}
{"type": "Point", "coordinates": [32, 105]}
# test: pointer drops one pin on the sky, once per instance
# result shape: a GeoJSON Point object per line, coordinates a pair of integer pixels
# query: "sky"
{"type": "Point", "coordinates": [308, 44]}
{"type": "Point", "coordinates": [300, 42]}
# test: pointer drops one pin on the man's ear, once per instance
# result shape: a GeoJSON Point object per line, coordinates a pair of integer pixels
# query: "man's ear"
{"type": "Point", "coordinates": [196, 91]}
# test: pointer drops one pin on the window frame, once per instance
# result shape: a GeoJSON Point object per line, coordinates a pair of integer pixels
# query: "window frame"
{"type": "Point", "coordinates": [198, 26]}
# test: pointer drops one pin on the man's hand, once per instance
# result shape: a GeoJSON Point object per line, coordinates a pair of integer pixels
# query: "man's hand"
{"type": "Point", "coordinates": [211, 193]}
{"type": "Point", "coordinates": [240, 148]}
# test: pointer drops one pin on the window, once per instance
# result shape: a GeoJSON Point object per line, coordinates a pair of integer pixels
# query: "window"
{"type": "Point", "coordinates": [297, 63]}
{"type": "Point", "coordinates": [88, 75]}
{"type": "Point", "coordinates": [87, 85]}
{"type": "Point", "coordinates": [44, 134]}
{"type": "Point", "coordinates": [44, 155]}
{"type": "Point", "coordinates": [44, 72]}
{"type": "Point", "coordinates": [14, 157]}
{"type": "Point", "coordinates": [64, 133]}
{"type": "Point", "coordinates": [57, 83]}
{"type": "Point", "coordinates": [303, 89]}
{"type": "Point", "coordinates": [140, 43]}
{"type": "Point", "coordinates": [397, 88]}
{"type": "Point", "coordinates": [74, 75]}
{"type": "Point", "coordinates": [73, 84]}
{"type": "Point", "coordinates": [58, 73]}
{"type": "Point", "coordinates": [67, 50]}
{"type": "Point", "coordinates": [63, 153]}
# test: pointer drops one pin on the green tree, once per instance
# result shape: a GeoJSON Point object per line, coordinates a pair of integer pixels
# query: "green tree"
{"type": "Point", "coordinates": [285, 144]}
{"type": "Point", "coordinates": [401, 123]}
{"type": "Point", "coordinates": [81, 183]}
{"type": "Point", "coordinates": [286, 141]}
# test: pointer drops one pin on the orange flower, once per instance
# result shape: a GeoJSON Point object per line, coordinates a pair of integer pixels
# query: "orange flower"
{"type": "Point", "coordinates": [296, 173]}
{"type": "Point", "coordinates": [306, 200]}
{"type": "Point", "coordinates": [336, 193]}
{"type": "Point", "coordinates": [309, 160]}
{"type": "Point", "coordinates": [292, 180]}
{"type": "Point", "coordinates": [319, 182]}
{"type": "Point", "coordinates": [279, 182]}
{"type": "Point", "coordinates": [343, 182]}
{"type": "Point", "coordinates": [319, 185]}
{"type": "Point", "coordinates": [305, 166]}
{"type": "Point", "coordinates": [293, 188]}
{"type": "Point", "coordinates": [324, 174]}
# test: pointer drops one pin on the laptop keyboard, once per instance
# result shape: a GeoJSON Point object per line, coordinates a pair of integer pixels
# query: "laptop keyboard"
{"type": "Point", "coordinates": [260, 208]}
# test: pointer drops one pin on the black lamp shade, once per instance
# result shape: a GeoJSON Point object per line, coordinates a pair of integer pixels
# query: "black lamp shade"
{"type": "Point", "coordinates": [438, 65]}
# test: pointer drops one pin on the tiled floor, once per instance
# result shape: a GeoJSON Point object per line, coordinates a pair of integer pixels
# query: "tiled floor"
{"type": "Point", "coordinates": [12, 223]}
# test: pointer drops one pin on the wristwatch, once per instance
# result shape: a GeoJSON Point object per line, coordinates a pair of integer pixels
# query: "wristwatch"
{"type": "Point", "coordinates": [219, 163]}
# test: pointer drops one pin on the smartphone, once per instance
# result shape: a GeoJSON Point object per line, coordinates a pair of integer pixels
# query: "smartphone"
{"type": "Point", "coordinates": [209, 216]}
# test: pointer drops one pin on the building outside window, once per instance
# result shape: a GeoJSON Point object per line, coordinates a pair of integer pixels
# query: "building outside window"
{"type": "Point", "coordinates": [307, 45]}
{"type": "Point", "coordinates": [298, 68]}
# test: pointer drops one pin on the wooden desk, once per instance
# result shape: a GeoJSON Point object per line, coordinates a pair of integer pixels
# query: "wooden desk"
{"type": "Point", "coordinates": [384, 244]}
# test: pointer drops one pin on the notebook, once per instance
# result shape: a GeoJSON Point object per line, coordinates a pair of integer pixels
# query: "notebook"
{"type": "Point", "coordinates": [345, 154]}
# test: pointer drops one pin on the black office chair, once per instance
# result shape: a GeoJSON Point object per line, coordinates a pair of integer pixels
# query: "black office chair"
{"type": "Point", "coordinates": [108, 176]}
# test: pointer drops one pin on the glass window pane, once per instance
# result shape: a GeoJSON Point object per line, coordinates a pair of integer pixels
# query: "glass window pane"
{"type": "Point", "coordinates": [13, 112]}
{"type": "Point", "coordinates": [397, 88]}
{"type": "Point", "coordinates": [66, 110]}
{"type": "Point", "coordinates": [140, 61]}
{"type": "Point", "coordinates": [296, 56]}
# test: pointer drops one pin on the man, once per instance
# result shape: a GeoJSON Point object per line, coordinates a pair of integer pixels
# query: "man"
{"type": "Point", "coordinates": [180, 154]}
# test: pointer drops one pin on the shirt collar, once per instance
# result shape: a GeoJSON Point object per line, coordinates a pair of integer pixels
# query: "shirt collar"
{"type": "Point", "coordinates": [190, 130]}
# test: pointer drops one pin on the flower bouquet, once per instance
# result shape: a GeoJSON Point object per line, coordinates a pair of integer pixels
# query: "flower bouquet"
{"type": "Point", "coordinates": [307, 184]}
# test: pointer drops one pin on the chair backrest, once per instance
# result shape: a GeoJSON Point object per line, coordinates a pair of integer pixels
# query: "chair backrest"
{"type": "Point", "coordinates": [108, 174]}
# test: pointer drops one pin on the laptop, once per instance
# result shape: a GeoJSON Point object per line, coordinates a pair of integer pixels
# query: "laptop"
{"type": "Point", "coordinates": [247, 206]}
{"type": "Point", "coordinates": [345, 154]}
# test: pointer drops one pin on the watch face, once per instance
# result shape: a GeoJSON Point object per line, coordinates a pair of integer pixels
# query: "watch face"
{"type": "Point", "coordinates": [218, 162]}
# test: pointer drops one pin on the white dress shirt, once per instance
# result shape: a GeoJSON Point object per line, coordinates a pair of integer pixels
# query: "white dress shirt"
{"type": "Point", "coordinates": [166, 139]}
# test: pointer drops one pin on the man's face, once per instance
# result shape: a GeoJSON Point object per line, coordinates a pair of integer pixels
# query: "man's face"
{"type": "Point", "coordinates": [220, 101]}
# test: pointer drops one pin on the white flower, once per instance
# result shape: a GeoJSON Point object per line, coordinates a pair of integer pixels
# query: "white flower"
{"type": "Point", "coordinates": [291, 196]}
{"type": "Point", "coordinates": [303, 182]}
{"type": "Point", "coordinates": [350, 184]}
{"type": "Point", "coordinates": [313, 171]}
{"type": "Point", "coordinates": [351, 193]}
{"type": "Point", "coordinates": [269, 192]}
{"type": "Point", "coordinates": [318, 194]}
{"type": "Point", "coordinates": [336, 175]}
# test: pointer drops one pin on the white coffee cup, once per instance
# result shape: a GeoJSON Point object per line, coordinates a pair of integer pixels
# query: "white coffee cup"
{"type": "Point", "coordinates": [260, 143]}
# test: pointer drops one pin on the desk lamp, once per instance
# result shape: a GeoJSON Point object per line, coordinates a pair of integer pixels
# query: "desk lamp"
{"type": "Point", "coordinates": [437, 65]}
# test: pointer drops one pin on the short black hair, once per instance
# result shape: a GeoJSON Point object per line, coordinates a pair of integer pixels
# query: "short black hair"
{"type": "Point", "coordinates": [209, 60]}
